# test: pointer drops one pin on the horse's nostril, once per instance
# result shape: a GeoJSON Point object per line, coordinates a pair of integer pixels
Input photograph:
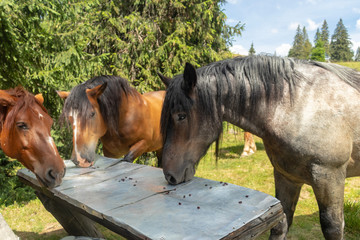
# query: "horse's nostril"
{"type": "Point", "coordinates": [51, 174]}
{"type": "Point", "coordinates": [171, 179]}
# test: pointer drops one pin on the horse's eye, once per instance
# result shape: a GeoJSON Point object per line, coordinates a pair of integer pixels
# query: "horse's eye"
{"type": "Point", "coordinates": [92, 114]}
{"type": "Point", "coordinates": [22, 126]}
{"type": "Point", "coordinates": [181, 116]}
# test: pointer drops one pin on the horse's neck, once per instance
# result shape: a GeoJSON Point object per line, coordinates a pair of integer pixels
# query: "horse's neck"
{"type": "Point", "coordinates": [251, 119]}
{"type": "Point", "coordinates": [131, 105]}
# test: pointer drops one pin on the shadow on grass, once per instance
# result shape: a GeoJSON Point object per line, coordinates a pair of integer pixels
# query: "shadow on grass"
{"type": "Point", "coordinates": [53, 235]}
{"type": "Point", "coordinates": [235, 151]}
{"type": "Point", "coordinates": [308, 227]}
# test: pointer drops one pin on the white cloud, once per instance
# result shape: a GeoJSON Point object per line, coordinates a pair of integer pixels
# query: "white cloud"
{"type": "Point", "coordinates": [283, 49]}
{"type": "Point", "coordinates": [358, 24]}
{"type": "Point", "coordinates": [293, 25]}
{"type": "Point", "coordinates": [356, 10]}
{"type": "Point", "coordinates": [312, 1]}
{"type": "Point", "coordinates": [312, 25]}
{"type": "Point", "coordinates": [230, 21]}
{"type": "Point", "coordinates": [355, 46]}
{"type": "Point", "coordinates": [274, 30]}
{"type": "Point", "coordinates": [232, 1]}
{"type": "Point", "coordinates": [239, 49]}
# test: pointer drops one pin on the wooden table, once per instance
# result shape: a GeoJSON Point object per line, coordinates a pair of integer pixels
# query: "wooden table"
{"type": "Point", "coordinates": [136, 202]}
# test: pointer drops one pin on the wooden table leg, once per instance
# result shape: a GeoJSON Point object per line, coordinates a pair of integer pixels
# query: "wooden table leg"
{"type": "Point", "coordinates": [73, 222]}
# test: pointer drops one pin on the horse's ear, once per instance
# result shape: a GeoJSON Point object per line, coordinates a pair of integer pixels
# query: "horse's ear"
{"type": "Point", "coordinates": [190, 78]}
{"type": "Point", "coordinates": [40, 98]}
{"type": "Point", "coordinates": [63, 94]}
{"type": "Point", "coordinates": [96, 91]}
{"type": "Point", "coordinates": [6, 99]}
{"type": "Point", "coordinates": [165, 80]}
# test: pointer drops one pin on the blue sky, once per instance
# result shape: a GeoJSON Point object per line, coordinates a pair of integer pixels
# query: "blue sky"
{"type": "Point", "coordinates": [271, 24]}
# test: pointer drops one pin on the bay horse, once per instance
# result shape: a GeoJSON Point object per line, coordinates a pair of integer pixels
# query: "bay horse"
{"type": "Point", "coordinates": [109, 109]}
{"type": "Point", "coordinates": [306, 112]}
{"type": "Point", "coordinates": [25, 135]}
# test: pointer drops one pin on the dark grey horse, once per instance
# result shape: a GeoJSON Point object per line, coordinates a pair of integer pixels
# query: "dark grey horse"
{"type": "Point", "coordinates": [307, 113]}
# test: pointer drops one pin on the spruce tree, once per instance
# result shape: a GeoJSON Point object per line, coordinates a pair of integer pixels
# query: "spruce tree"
{"type": "Point", "coordinates": [296, 50]}
{"type": "Point", "coordinates": [301, 46]}
{"type": "Point", "coordinates": [252, 50]}
{"type": "Point", "coordinates": [325, 37]}
{"type": "Point", "coordinates": [317, 36]}
{"type": "Point", "coordinates": [357, 55]}
{"type": "Point", "coordinates": [318, 52]}
{"type": "Point", "coordinates": [340, 46]}
{"type": "Point", "coordinates": [307, 45]}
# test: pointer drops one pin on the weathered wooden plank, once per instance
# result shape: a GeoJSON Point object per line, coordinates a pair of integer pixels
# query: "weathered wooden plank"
{"type": "Point", "coordinates": [5, 231]}
{"type": "Point", "coordinates": [136, 201]}
{"type": "Point", "coordinates": [214, 210]}
{"type": "Point", "coordinates": [72, 221]}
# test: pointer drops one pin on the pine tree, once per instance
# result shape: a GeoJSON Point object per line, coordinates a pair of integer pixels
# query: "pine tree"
{"type": "Point", "coordinates": [318, 52]}
{"type": "Point", "coordinates": [325, 38]}
{"type": "Point", "coordinates": [357, 55]}
{"type": "Point", "coordinates": [296, 50]}
{"type": "Point", "coordinates": [340, 46]}
{"type": "Point", "coordinates": [307, 45]}
{"type": "Point", "coordinates": [317, 36]}
{"type": "Point", "coordinates": [301, 46]}
{"type": "Point", "coordinates": [252, 50]}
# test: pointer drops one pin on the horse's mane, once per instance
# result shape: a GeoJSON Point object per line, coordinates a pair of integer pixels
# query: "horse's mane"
{"type": "Point", "coordinates": [24, 101]}
{"type": "Point", "coordinates": [108, 101]}
{"type": "Point", "coordinates": [261, 74]}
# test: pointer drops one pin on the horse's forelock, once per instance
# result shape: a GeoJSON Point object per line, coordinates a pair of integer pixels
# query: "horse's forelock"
{"type": "Point", "coordinates": [109, 101]}
{"type": "Point", "coordinates": [25, 100]}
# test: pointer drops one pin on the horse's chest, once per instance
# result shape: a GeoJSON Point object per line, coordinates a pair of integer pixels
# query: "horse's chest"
{"type": "Point", "coordinates": [114, 147]}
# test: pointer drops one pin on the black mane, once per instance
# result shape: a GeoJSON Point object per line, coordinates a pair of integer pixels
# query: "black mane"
{"type": "Point", "coordinates": [262, 74]}
{"type": "Point", "coordinates": [109, 100]}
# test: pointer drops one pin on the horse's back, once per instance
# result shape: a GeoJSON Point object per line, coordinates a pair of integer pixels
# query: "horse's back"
{"type": "Point", "coordinates": [155, 96]}
{"type": "Point", "coordinates": [154, 104]}
{"type": "Point", "coordinates": [321, 123]}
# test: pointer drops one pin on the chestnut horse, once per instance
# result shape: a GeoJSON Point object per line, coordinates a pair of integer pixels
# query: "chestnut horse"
{"type": "Point", "coordinates": [107, 108]}
{"type": "Point", "coordinates": [25, 135]}
{"type": "Point", "coordinates": [307, 114]}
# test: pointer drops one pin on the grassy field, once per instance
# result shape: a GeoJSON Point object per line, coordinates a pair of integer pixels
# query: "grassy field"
{"type": "Point", "coordinates": [32, 221]}
{"type": "Point", "coordinates": [354, 65]}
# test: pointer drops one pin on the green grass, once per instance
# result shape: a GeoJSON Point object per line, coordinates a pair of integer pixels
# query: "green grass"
{"type": "Point", "coordinates": [354, 65]}
{"type": "Point", "coordinates": [256, 172]}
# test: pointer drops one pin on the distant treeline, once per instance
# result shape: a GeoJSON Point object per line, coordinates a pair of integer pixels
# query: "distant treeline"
{"type": "Point", "coordinates": [336, 49]}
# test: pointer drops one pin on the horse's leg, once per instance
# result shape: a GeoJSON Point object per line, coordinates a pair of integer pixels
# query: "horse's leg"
{"type": "Point", "coordinates": [159, 157]}
{"type": "Point", "coordinates": [329, 192]}
{"type": "Point", "coordinates": [136, 150]}
{"type": "Point", "coordinates": [288, 193]}
{"type": "Point", "coordinates": [249, 145]}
